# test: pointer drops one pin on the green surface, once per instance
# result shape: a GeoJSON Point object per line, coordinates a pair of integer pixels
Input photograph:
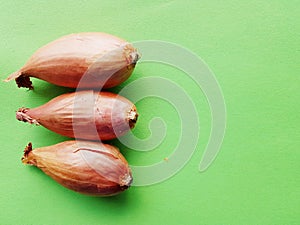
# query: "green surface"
{"type": "Point", "coordinates": [253, 47]}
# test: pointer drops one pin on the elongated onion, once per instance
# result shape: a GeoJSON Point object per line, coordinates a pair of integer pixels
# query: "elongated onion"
{"type": "Point", "coordinates": [84, 114]}
{"type": "Point", "coordinates": [87, 167]}
{"type": "Point", "coordinates": [104, 59]}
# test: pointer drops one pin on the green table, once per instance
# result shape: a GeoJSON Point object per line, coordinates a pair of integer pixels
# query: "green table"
{"type": "Point", "coordinates": [252, 47]}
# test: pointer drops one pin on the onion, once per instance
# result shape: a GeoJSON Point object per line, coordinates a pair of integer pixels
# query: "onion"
{"type": "Point", "coordinates": [84, 114]}
{"type": "Point", "coordinates": [87, 167]}
{"type": "Point", "coordinates": [103, 60]}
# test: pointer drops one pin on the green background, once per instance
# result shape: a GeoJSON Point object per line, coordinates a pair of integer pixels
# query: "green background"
{"type": "Point", "coordinates": [253, 48]}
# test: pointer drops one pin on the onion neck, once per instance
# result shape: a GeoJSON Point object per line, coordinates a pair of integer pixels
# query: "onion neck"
{"type": "Point", "coordinates": [24, 81]}
{"type": "Point", "coordinates": [22, 115]}
{"type": "Point", "coordinates": [28, 157]}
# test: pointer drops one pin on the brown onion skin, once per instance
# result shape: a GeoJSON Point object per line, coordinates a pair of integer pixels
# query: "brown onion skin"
{"type": "Point", "coordinates": [86, 167]}
{"type": "Point", "coordinates": [66, 60]}
{"type": "Point", "coordinates": [112, 115]}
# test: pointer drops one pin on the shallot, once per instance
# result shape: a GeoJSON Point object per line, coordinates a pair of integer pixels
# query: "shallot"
{"type": "Point", "coordinates": [82, 60]}
{"type": "Point", "coordinates": [87, 167]}
{"type": "Point", "coordinates": [84, 114]}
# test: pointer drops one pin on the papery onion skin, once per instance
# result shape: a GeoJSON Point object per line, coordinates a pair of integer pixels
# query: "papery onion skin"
{"type": "Point", "coordinates": [70, 115]}
{"type": "Point", "coordinates": [107, 59]}
{"type": "Point", "coordinates": [91, 168]}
